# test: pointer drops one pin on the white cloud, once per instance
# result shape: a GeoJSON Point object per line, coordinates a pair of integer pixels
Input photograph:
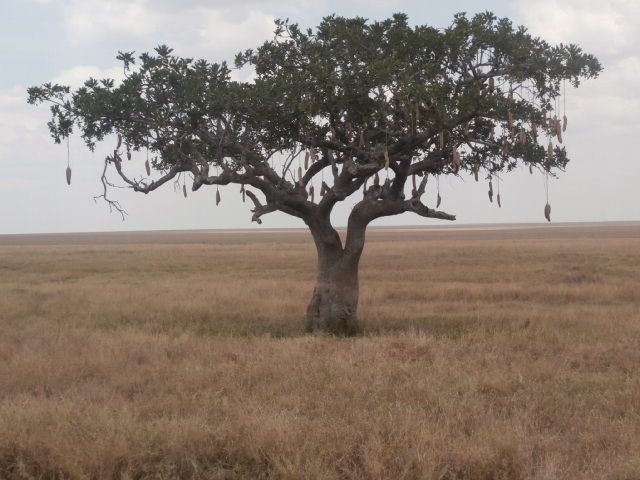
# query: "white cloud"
{"type": "Point", "coordinates": [609, 27]}
{"type": "Point", "coordinates": [21, 124]}
{"type": "Point", "coordinates": [76, 76]}
{"type": "Point", "coordinates": [610, 102]}
{"type": "Point", "coordinates": [94, 18]}
{"type": "Point", "coordinates": [213, 30]}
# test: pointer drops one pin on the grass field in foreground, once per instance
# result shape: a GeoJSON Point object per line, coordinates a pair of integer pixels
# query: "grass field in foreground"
{"type": "Point", "coordinates": [487, 354]}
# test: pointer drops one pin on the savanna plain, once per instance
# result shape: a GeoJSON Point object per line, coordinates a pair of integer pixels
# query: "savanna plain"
{"type": "Point", "coordinates": [487, 353]}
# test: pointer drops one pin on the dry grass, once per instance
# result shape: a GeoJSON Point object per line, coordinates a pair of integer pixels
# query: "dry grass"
{"type": "Point", "coordinates": [487, 355]}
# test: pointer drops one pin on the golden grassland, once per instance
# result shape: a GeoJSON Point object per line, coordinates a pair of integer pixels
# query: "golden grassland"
{"type": "Point", "coordinates": [487, 354]}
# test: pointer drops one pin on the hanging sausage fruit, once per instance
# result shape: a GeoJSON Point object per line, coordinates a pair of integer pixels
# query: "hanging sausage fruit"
{"type": "Point", "coordinates": [68, 171]}
{"type": "Point", "coordinates": [547, 207]}
{"type": "Point", "coordinates": [490, 192]}
{"type": "Point", "coordinates": [564, 116]}
{"type": "Point", "coordinates": [456, 161]}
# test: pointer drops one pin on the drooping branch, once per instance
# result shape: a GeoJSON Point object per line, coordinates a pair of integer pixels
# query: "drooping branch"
{"type": "Point", "coordinates": [139, 186]}
{"type": "Point", "coordinates": [113, 204]}
{"type": "Point", "coordinates": [433, 162]}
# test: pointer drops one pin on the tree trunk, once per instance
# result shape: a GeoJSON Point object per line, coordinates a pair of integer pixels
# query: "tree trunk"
{"type": "Point", "coordinates": [334, 304]}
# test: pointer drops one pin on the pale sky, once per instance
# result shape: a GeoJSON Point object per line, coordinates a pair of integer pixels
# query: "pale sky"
{"type": "Point", "coordinates": [69, 40]}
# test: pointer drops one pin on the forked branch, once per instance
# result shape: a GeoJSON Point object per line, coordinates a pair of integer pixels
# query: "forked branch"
{"type": "Point", "coordinates": [260, 209]}
{"type": "Point", "coordinates": [113, 204]}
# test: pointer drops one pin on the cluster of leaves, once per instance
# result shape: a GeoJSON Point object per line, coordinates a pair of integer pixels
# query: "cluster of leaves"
{"type": "Point", "coordinates": [393, 81]}
{"type": "Point", "coordinates": [161, 104]}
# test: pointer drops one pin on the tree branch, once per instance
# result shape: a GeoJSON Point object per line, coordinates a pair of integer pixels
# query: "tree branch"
{"type": "Point", "coordinates": [113, 204]}
{"type": "Point", "coordinates": [260, 209]}
{"type": "Point", "coordinates": [139, 186]}
{"type": "Point", "coordinates": [416, 206]}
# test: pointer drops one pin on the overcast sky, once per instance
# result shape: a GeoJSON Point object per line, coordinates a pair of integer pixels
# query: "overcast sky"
{"type": "Point", "coordinates": [70, 40]}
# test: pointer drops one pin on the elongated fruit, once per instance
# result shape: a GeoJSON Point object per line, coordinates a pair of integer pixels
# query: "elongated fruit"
{"type": "Point", "coordinates": [456, 161]}
{"type": "Point", "coordinates": [547, 212]}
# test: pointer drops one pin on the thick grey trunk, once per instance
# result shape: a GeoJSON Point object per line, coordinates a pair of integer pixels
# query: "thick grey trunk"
{"type": "Point", "coordinates": [333, 307]}
{"type": "Point", "coordinates": [334, 304]}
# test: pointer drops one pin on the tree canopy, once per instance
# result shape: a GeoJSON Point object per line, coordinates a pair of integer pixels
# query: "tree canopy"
{"type": "Point", "coordinates": [365, 95]}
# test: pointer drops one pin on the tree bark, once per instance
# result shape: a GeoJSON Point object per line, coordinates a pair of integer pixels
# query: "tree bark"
{"type": "Point", "coordinates": [334, 305]}
{"type": "Point", "coordinates": [333, 308]}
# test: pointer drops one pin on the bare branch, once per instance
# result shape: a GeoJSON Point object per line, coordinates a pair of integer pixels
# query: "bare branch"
{"type": "Point", "coordinates": [416, 206]}
{"type": "Point", "coordinates": [113, 205]}
{"type": "Point", "coordinates": [432, 163]}
{"type": "Point", "coordinates": [260, 209]}
{"type": "Point", "coordinates": [140, 186]}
